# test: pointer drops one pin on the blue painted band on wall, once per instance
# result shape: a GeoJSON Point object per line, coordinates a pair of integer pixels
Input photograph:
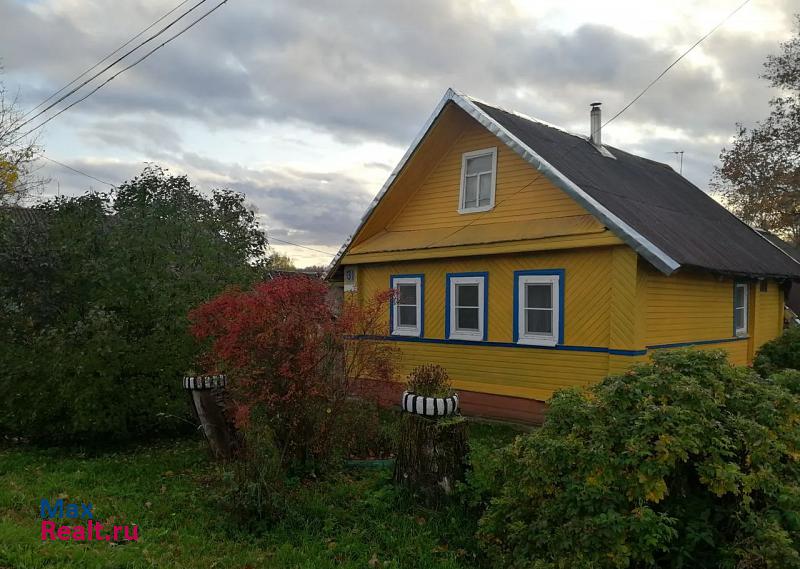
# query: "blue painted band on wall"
{"type": "Point", "coordinates": [559, 347]}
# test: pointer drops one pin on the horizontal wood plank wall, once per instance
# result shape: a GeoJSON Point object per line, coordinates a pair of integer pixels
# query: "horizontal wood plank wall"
{"type": "Point", "coordinates": [688, 307]}
{"type": "Point", "coordinates": [523, 372]}
{"type": "Point", "coordinates": [768, 319]}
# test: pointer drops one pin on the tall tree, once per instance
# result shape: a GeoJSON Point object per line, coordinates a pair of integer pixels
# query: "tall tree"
{"type": "Point", "coordinates": [17, 156]}
{"type": "Point", "coordinates": [94, 295]}
{"type": "Point", "coordinates": [759, 175]}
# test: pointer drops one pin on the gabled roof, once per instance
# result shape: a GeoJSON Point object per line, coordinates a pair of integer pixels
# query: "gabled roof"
{"type": "Point", "coordinates": [661, 215]}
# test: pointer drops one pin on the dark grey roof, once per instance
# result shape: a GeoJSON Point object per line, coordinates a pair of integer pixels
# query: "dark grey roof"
{"type": "Point", "coordinates": [787, 248]}
{"type": "Point", "coordinates": [664, 207]}
{"type": "Point", "coordinates": [19, 214]}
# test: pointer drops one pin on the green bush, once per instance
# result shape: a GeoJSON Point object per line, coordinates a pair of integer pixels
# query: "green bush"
{"type": "Point", "coordinates": [429, 380]}
{"type": "Point", "coordinates": [684, 462]}
{"type": "Point", "coordinates": [781, 353]}
{"type": "Point", "coordinates": [94, 300]}
{"type": "Point", "coordinates": [789, 379]}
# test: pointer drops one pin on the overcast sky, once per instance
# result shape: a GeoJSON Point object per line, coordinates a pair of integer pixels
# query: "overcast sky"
{"type": "Point", "coordinates": [307, 106]}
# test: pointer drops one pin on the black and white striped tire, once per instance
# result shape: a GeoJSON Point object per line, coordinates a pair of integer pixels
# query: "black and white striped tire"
{"type": "Point", "coordinates": [429, 406]}
{"type": "Point", "coordinates": [204, 382]}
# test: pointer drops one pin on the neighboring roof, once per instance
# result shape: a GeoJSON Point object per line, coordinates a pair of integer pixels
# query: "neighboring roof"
{"type": "Point", "coordinates": [661, 215]}
{"type": "Point", "coordinates": [793, 298]}
{"type": "Point", "coordinates": [22, 214]}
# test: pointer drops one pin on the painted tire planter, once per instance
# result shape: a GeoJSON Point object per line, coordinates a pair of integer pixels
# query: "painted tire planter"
{"type": "Point", "coordinates": [204, 382]}
{"type": "Point", "coordinates": [429, 406]}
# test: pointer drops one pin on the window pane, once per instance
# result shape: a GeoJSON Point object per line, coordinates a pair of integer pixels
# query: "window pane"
{"type": "Point", "coordinates": [467, 295]}
{"type": "Point", "coordinates": [539, 296]}
{"type": "Point", "coordinates": [407, 294]}
{"type": "Point", "coordinates": [485, 187]}
{"type": "Point", "coordinates": [467, 318]}
{"type": "Point", "coordinates": [471, 192]}
{"type": "Point", "coordinates": [479, 164]}
{"type": "Point", "coordinates": [406, 315]}
{"type": "Point", "coordinates": [739, 296]}
{"type": "Point", "coordinates": [738, 318]}
{"type": "Point", "coordinates": [539, 321]}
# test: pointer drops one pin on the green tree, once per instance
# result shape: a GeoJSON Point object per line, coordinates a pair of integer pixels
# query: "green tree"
{"type": "Point", "coordinates": [759, 175]}
{"type": "Point", "coordinates": [94, 301]}
{"type": "Point", "coordinates": [281, 262]}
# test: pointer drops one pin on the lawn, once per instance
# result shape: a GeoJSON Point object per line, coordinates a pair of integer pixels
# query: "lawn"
{"type": "Point", "coordinates": [355, 518]}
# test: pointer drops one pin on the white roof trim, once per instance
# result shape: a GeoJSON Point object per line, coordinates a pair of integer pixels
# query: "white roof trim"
{"type": "Point", "coordinates": [633, 238]}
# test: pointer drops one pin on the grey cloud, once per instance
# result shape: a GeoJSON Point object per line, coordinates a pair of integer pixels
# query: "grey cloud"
{"type": "Point", "coordinates": [376, 69]}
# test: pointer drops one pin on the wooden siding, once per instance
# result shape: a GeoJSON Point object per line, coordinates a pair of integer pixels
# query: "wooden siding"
{"type": "Point", "coordinates": [698, 307]}
{"type": "Point", "coordinates": [587, 290]}
{"type": "Point", "coordinates": [435, 203]}
{"type": "Point", "coordinates": [688, 307]}
{"type": "Point", "coordinates": [515, 371]}
{"type": "Point", "coordinates": [767, 321]}
{"type": "Point", "coordinates": [420, 215]}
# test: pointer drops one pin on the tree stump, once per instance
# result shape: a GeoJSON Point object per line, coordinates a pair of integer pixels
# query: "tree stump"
{"type": "Point", "coordinates": [431, 454]}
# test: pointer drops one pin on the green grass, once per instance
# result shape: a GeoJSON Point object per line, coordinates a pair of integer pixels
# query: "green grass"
{"type": "Point", "coordinates": [170, 490]}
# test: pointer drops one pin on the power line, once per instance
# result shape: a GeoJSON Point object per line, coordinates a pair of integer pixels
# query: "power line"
{"type": "Point", "coordinates": [106, 58]}
{"type": "Point", "coordinates": [302, 246]}
{"type": "Point", "coordinates": [106, 68]}
{"type": "Point", "coordinates": [625, 108]}
{"type": "Point", "coordinates": [674, 63]}
{"type": "Point", "coordinates": [78, 171]}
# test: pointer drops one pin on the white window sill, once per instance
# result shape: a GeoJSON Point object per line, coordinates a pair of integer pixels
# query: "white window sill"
{"type": "Point", "coordinates": [741, 333]}
{"type": "Point", "coordinates": [463, 210]}
{"type": "Point", "coordinates": [413, 332]}
{"type": "Point", "coordinates": [470, 336]}
{"type": "Point", "coordinates": [549, 342]}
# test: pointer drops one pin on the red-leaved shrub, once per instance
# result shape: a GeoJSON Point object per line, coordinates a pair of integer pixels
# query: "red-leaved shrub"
{"type": "Point", "coordinates": [287, 352]}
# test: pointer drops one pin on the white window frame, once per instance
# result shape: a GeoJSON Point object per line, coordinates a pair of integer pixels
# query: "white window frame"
{"type": "Point", "coordinates": [523, 336]}
{"type": "Point", "coordinates": [472, 335]}
{"type": "Point", "coordinates": [474, 154]}
{"type": "Point", "coordinates": [745, 309]}
{"type": "Point", "coordinates": [398, 330]}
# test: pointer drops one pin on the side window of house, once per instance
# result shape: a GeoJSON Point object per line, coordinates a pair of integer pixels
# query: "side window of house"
{"type": "Point", "coordinates": [740, 309]}
{"type": "Point", "coordinates": [466, 306]}
{"type": "Point", "coordinates": [538, 306]}
{"type": "Point", "coordinates": [407, 306]}
{"type": "Point", "coordinates": [478, 177]}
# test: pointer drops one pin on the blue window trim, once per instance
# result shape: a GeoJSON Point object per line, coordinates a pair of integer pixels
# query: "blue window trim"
{"type": "Point", "coordinates": [448, 277]}
{"type": "Point", "coordinates": [421, 278]}
{"type": "Point", "coordinates": [737, 282]}
{"type": "Point", "coordinates": [561, 274]}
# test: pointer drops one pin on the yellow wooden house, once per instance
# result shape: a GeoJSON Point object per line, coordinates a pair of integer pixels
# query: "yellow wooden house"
{"type": "Point", "coordinates": [529, 259]}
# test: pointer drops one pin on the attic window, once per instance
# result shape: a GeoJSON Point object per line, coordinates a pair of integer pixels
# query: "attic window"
{"type": "Point", "coordinates": [478, 175]}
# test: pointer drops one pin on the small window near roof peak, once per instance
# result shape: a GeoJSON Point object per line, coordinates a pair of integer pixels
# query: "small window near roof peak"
{"type": "Point", "coordinates": [478, 177]}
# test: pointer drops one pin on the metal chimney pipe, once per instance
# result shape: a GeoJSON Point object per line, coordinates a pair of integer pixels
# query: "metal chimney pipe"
{"type": "Point", "coordinates": [595, 124]}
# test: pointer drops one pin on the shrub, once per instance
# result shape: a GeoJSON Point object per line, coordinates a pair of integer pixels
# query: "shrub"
{"type": "Point", "coordinates": [429, 380]}
{"type": "Point", "coordinates": [288, 354]}
{"type": "Point", "coordinates": [254, 487]}
{"type": "Point", "coordinates": [683, 462]}
{"type": "Point", "coordinates": [780, 353]}
{"type": "Point", "coordinates": [789, 379]}
{"type": "Point", "coordinates": [93, 304]}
